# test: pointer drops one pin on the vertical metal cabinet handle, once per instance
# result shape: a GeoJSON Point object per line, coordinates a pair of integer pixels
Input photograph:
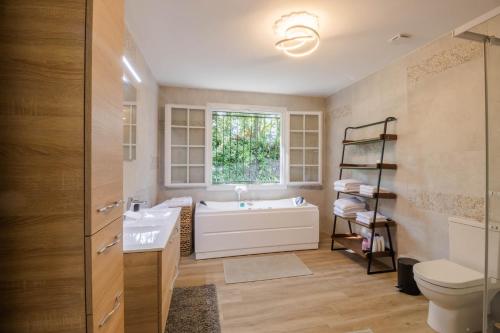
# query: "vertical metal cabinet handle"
{"type": "Point", "coordinates": [112, 312]}
{"type": "Point", "coordinates": [110, 206]}
{"type": "Point", "coordinates": [115, 241]}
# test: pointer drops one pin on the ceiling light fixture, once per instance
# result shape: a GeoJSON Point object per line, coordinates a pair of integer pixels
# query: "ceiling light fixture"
{"type": "Point", "coordinates": [131, 69]}
{"type": "Point", "coordinates": [298, 33]}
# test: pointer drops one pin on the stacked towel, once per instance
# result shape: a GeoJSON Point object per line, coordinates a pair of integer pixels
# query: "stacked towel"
{"type": "Point", "coordinates": [348, 207]}
{"type": "Point", "coordinates": [378, 244]}
{"type": "Point", "coordinates": [366, 217]}
{"type": "Point", "coordinates": [347, 185]}
{"type": "Point", "coordinates": [175, 202]}
{"type": "Point", "coordinates": [371, 190]}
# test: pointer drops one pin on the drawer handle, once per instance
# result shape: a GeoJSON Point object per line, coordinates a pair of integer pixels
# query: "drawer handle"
{"type": "Point", "coordinates": [115, 241]}
{"type": "Point", "coordinates": [110, 206]}
{"type": "Point", "coordinates": [112, 312]}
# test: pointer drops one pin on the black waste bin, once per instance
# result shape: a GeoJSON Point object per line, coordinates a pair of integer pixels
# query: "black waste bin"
{"type": "Point", "coordinates": [406, 282]}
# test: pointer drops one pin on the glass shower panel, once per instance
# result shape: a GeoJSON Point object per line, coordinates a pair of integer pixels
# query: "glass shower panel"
{"type": "Point", "coordinates": [492, 58]}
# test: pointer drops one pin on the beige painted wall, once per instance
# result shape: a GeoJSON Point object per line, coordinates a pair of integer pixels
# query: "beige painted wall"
{"type": "Point", "coordinates": [175, 95]}
{"type": "Point", "coordinates": [140, 175]}
{"type": "Point", "coordinates": [437, 94]}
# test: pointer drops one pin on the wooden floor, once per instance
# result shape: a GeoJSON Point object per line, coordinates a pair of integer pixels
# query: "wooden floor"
{"type": "Point", "coordinates": [339, 297]}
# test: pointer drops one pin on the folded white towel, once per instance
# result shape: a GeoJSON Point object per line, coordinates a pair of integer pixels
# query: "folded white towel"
{"type": "Point", "coordinates": [345, 182]}
{"type": "Point", "coordinates": [370, 214]}
{"type": "Point", "coordinates": [369, 189]}
{"type": "Point", "coordinates": [346, 189]}
{"type": "Point", "coordinates": [346, 214]}
{"type": "Point", "coordinates": [175, 202]}
{"type": "Point", "coordinates": [351, 210]}
{"type": "Point", "coordinates": [345, 203]}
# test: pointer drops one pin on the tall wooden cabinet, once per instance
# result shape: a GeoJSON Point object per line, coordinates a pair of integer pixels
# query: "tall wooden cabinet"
{"type": "Point", "coordinates": [61, 258]}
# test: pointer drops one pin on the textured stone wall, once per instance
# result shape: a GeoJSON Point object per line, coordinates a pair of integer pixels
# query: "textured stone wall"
{"type": "Point", "coordinates": [437, 94]}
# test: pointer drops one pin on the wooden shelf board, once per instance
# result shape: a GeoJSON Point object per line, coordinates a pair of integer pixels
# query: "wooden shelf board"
{"type": "Point", "coordinates": [369, 166]}
{"type": "Point", "coordinates": [369, 226]}
{"type": "Point", "coordinates": [353, 242]}
{"type": "Point", "coordinates": [381, 195]}
{"type": "Point", "coordinates": [388, 137]}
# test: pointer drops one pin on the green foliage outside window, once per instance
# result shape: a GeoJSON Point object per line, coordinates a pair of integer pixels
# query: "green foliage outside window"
{"type": "Point", "coordinates": [245, 148]}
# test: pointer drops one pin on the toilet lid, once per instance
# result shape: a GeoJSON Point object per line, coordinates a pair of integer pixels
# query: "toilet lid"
{"type": "Point", "coordinates": [447, 274]}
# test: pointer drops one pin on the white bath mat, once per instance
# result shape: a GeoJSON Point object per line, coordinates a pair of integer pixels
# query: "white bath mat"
{"type": "Point", "coordinates": [264, 268]}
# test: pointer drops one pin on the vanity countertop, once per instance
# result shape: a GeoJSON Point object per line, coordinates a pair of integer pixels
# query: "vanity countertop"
{"type": "Point", "coordinates": [148, 229]}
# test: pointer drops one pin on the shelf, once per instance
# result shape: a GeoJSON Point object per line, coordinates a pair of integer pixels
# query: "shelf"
{"type": "Point", "coordinates": [387, 166]}
{"type": "Point", "coordinates": [381, 195]}
{"type": "Point", "coordinates": [353, 242]}
{"type": "Point", "coordinates": [387, 137]}
{"type": "Point", "coordinates": [369, 226]}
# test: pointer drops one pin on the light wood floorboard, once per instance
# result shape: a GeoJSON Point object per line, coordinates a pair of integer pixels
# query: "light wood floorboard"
{"type": "Point", "coordinates": [339, 297]}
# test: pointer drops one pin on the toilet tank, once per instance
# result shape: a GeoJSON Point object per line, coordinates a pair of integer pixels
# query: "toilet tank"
{"type": "Point", "coordinates": [467, 244]}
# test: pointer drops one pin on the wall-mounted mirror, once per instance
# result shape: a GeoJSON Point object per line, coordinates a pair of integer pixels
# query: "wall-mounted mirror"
{"type": "Point", "coordinates": [129, 121]}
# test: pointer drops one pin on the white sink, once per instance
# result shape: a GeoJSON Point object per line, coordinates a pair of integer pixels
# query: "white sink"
{"type": "Point", "coordinates": [148, 229]}
{"type": "Point", "coordinates": [148, 217]}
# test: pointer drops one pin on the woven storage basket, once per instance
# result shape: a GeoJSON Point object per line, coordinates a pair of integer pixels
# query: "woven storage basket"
{"type": "Point", "coordinates": [186, 230]}
{"type": "Point", "coordinates": [186, 217]}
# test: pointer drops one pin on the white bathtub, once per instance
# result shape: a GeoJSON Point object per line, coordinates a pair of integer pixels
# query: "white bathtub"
{"type": "Point", "coordinates": [224, 229]}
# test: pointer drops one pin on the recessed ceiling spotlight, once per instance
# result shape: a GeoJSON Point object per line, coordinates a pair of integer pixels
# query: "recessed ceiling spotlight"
{"type": "Point", "coordinates": [399, 38]}
{"type": "Point", "coordinates": [298, 33]}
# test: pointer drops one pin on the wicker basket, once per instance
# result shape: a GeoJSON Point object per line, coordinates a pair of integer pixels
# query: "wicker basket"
{"type": "Point", "coordinates": [186, 231]}
{"type": "Point", "coordinates": [186, 217]}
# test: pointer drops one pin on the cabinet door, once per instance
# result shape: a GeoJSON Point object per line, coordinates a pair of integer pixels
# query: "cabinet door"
{"type": "Point", "coordinates": [169, 267]}
{"type": "Point", "coordinates": [104, 130]}
{"type": "Point", "coordinates": [104, 268]}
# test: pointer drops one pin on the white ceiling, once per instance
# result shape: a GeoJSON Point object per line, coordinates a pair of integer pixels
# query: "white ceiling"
{"type": "Point", "coordinates": [229, 44]}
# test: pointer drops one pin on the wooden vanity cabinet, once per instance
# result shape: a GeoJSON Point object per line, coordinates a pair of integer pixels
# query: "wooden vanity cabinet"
{"type": "Point", "coordinates": [149, 281]}
{"type": "Point", "coordinates": [61, 258]}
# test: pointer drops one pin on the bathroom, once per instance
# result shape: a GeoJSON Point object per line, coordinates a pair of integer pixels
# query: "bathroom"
{"type": "Point", "coordinates": [214, 166]}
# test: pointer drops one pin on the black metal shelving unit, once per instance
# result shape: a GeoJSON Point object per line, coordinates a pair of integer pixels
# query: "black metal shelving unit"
{"type": "Point", "coordinates": [352, 240]}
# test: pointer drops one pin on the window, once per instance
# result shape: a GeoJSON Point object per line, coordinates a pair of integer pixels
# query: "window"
{"type": "Point", "coordinates": [246, 148]}
{"type": "Point", "coordinates": [222, 145]}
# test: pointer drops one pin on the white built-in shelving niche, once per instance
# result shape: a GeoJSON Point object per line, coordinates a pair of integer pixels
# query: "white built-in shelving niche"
{"type": "Point", "coordinates": [305, 139]}
{"type": "Point", "coordinates": [129, 131]}
{"type": "Point", "coordinates": [185, 145]}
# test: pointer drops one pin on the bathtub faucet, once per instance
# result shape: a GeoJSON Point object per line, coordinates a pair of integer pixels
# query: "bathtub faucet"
{"type": "Point", "coordinates": [239, 189]}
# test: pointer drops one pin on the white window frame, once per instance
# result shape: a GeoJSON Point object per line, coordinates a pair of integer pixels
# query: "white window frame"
{"type": "Point", "coordinates": [320, 149]}
{"type": "Point", "coordinates": [168, 145]}
{"type": "Point", "coordinates": [284, 149]}
{"type": "Point", "coordinates": [217, 107]}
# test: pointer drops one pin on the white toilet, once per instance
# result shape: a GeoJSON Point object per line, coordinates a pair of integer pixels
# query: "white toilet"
{"type": "Point", "coordinates": [454, 287]}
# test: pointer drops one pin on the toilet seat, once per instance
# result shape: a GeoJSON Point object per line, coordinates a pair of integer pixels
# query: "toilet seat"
{"type": "Point", "coordinates": [449, 275]}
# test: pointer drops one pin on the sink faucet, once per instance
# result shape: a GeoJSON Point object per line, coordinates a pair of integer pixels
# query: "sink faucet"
{"type": "Point", "coordinates": [135, 204]}
{"type": "Point", "coordinates": [239, 189]}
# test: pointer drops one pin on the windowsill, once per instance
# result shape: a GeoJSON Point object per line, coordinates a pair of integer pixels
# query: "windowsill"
{"type": "Point", "coordinates": [261, 187]}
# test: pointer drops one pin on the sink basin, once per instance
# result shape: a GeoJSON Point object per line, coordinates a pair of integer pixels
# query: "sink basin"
{"type": "Point", "coordinates": [148, 218]}
{"type": "Point", "coordinates": [148, 229]}
{"type": "Point", "coordinates": [142, 235]}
